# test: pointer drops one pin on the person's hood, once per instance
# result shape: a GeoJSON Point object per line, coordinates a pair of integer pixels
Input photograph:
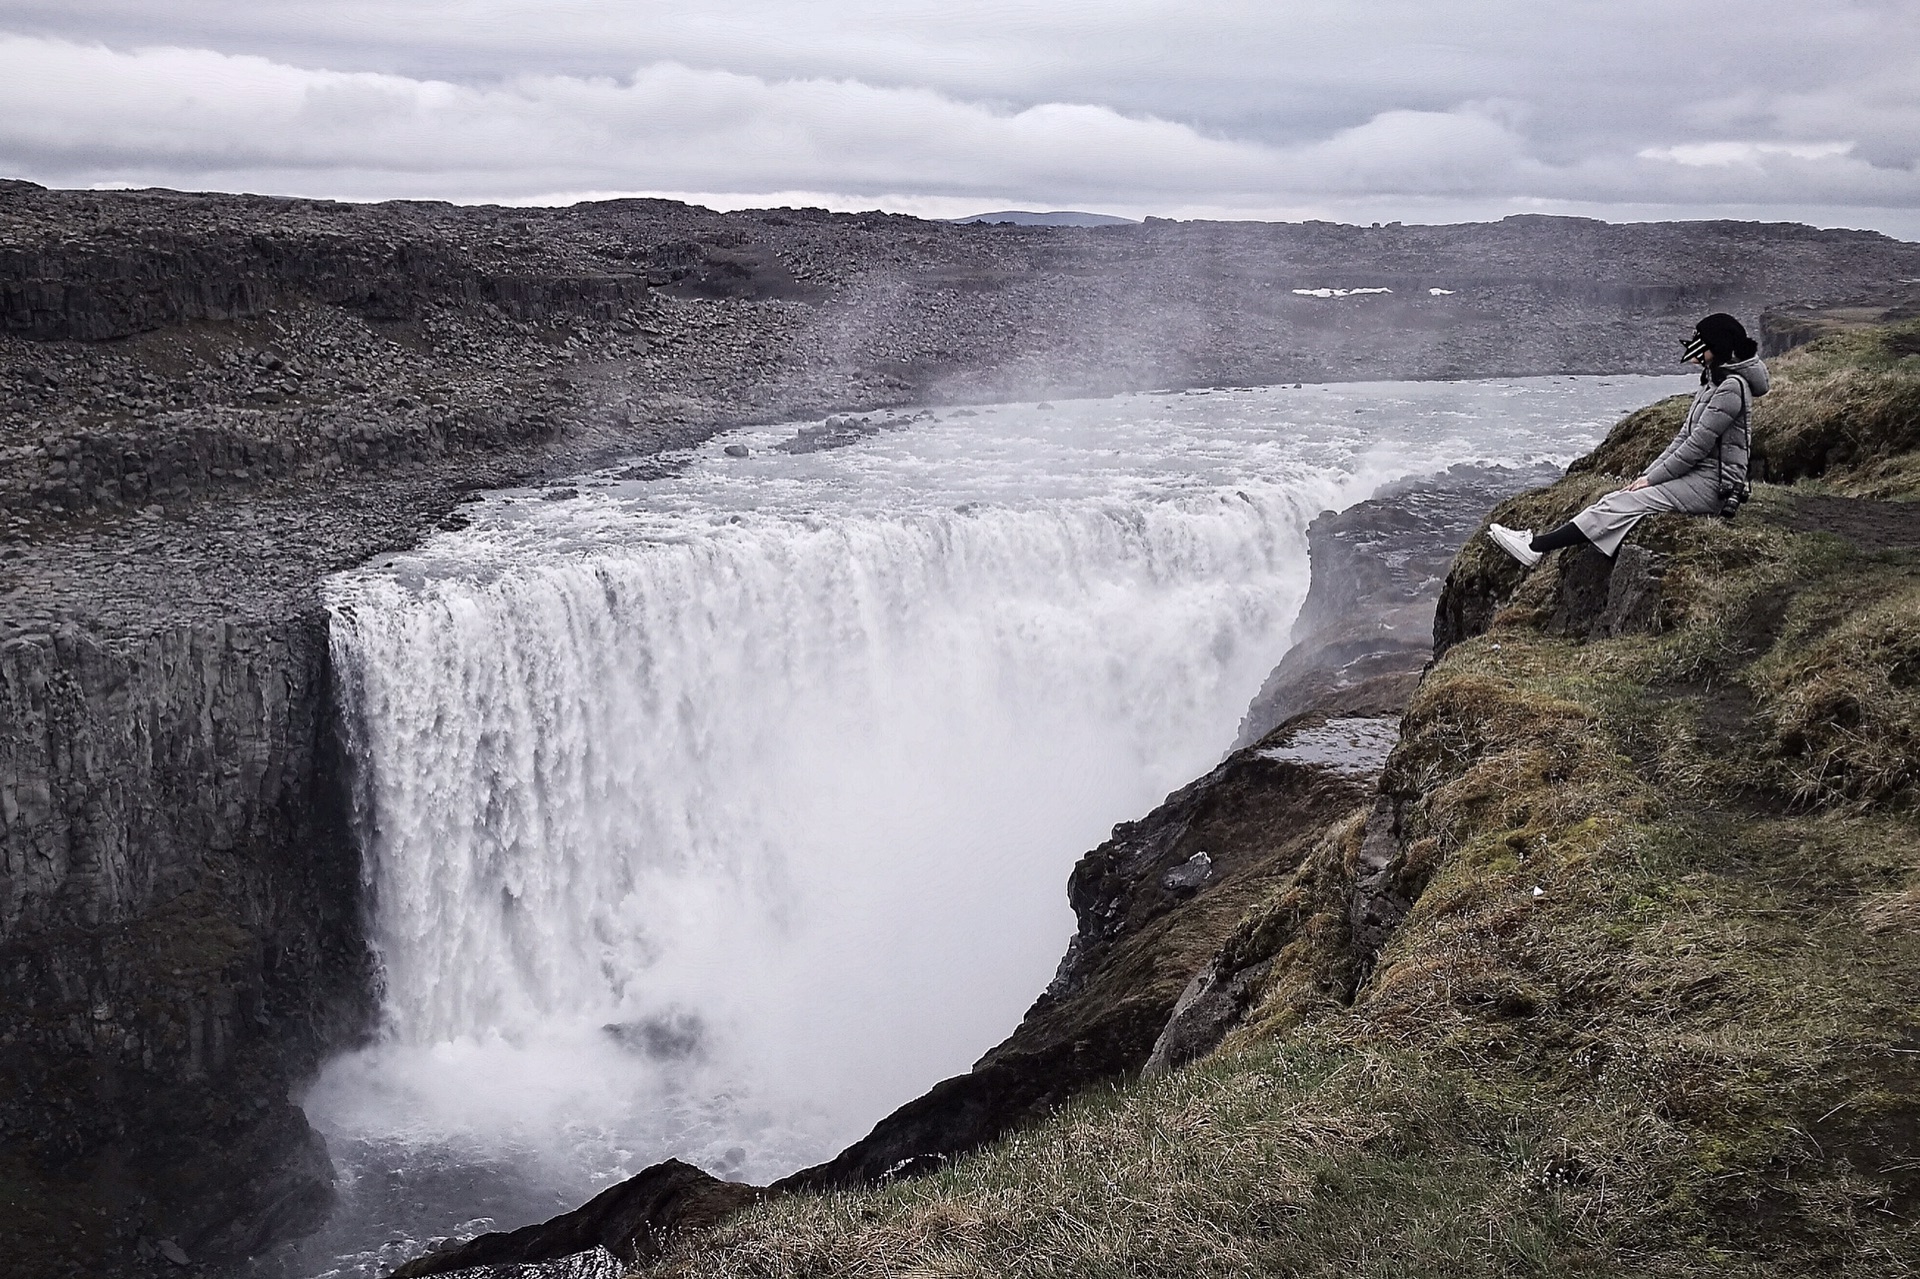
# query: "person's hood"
{"type": "Point", "coordinates": [1752, 371]}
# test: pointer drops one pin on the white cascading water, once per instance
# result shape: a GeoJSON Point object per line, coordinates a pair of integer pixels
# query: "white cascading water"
{"type": "Point", "coordinates": [715, 815]}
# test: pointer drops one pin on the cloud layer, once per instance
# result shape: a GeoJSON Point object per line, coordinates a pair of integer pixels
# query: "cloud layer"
{"type": "Point", "coordinates": [1137, 106]}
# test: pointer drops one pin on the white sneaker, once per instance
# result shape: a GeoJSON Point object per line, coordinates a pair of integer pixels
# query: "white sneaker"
{"type": "Point", "coordinates": [1515, 542]}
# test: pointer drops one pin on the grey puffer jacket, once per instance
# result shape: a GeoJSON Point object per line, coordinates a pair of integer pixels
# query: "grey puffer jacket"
{"type": "Point", "coordinates": [1719, 417]}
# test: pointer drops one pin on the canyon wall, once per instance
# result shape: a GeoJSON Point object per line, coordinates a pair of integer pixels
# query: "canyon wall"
{"type": "Point", "coordinates": [179, 936]}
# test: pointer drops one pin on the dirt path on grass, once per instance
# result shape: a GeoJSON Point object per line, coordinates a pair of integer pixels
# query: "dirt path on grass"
{"type": "Point", "coordinates": [1868, 524]}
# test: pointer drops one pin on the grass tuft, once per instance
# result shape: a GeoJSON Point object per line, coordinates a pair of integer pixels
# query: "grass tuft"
{"type": "Point", "coordinates": [1843, 705]}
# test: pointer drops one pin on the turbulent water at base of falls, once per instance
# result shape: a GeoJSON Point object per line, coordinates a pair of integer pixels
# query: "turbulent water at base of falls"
{"type": "Point", "coordinates": [715, 815]}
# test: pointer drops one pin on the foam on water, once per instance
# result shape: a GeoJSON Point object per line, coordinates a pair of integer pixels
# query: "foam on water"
{"type": "Point", "coordinates": [713, 816]}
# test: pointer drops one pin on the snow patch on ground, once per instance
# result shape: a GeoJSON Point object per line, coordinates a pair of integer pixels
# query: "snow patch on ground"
{"type": "Point", "coordinates": [1356, 747]}
{"type": "Point", "coordinates": [1337, 293]}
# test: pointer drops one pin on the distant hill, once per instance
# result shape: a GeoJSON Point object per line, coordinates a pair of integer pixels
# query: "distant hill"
{"type": "Point", "coordinates": [1020, 217]}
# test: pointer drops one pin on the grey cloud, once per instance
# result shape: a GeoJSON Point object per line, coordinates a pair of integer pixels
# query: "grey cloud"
{"type": "Point", "coordinates": [1135, 102]}
{"type": "Point", "coordinates": [1202, 61]}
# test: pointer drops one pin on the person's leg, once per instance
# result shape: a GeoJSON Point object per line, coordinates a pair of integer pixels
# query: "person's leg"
{"type": "Point", "coordinates": [1607, 521]}
{"type": "Point", "coordinates": [1567, 534]}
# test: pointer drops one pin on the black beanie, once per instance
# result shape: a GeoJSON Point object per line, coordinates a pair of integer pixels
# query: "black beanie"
{"type": "Point", "coordinates": [1726, 337]}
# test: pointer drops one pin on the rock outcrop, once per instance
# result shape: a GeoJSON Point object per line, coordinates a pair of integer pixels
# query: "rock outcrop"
{"type": "Point", "coordinates": [632, 1221]}
{"type": "Point", "coordinates": [1364, 631]}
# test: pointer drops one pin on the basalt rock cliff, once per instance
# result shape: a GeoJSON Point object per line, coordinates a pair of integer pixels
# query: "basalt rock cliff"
{"type": "Point", "coordinates": [181, 939]}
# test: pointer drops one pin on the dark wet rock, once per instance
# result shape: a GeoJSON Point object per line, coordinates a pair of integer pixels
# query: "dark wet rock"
{"type": "Point", "coordinates": [654, 468]}
{"type": "Point", "coordinates": [738, 450]}
{"type": "Point", "coordinates": [674, 1036]}
{"type": "Point", "coordinates": [631, 1220]}
{"type": "Point", "coordinates": [1382, 893]}
{"type": "Point", "coordinates": [1590, 595]}
{"type": "Point", "coordinates": [1214, 1002]}
{"type": "Point", "coordinates": [835, 433]}
{"type": "Point", "coordinates": [1365, 630]}
{"type": "Point", "coordinates": [1600, 597]}
{"type": "Point", "coordinates": [1585, 576]}
{"type": "Point", "coordinates": [1343, 905]}
{"type": "Point", "coordinates": [1189, 875]}
{"type": "Point", "coordinates": [179, 933]}
{"type": "Point", "coordinates": [1633, 594]}
{"type": "Point", "coordinates": [1355, 745]}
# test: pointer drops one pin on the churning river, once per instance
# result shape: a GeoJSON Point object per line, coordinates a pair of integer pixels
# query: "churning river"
{"type": "Point", "coordinates": [716, 814]}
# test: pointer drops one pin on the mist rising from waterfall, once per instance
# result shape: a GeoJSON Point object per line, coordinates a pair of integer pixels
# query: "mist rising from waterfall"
{"type": "Point", "coordinates": [715, 815]}
{"type": "Point", "coordinates": [756, 792]}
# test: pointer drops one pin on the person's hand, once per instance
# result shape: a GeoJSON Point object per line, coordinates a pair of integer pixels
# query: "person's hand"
{"type": "Point", "coordinates": [1636, 486]}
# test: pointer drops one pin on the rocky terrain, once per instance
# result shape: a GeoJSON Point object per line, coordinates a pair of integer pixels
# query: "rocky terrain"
{"type": "Point", "coordinates": [207, 403]}
{"type": "Point", "coordinates": [1364, 633]}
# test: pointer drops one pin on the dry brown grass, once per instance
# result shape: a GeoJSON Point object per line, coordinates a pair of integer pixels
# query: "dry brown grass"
{"type": "Point", "coordinates": [1197, 1173]}
{"type": "Point", "coordinates": [1302, 929]}
{"type": "Point", "coordinates": [1847, 408]}
{"type": "Point", "coordinates": [1843, 705]}
{"type": "Point", "coordinates": [1898, 909]}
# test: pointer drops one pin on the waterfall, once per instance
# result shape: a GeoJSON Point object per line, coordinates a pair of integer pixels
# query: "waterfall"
{"type": "Point", "coordinates": [700, 783]}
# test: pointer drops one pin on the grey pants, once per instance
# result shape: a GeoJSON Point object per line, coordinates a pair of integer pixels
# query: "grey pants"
{"type": "Point", "coordinates": [1607, 522]}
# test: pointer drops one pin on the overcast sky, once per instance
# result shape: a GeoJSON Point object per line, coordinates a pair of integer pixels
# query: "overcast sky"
{"type": "Point", "coordinates": [1357, 110]}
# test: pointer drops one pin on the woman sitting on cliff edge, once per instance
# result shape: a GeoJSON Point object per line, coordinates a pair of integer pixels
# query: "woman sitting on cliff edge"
{"type": "Point", "coordinates": [1702, 472]}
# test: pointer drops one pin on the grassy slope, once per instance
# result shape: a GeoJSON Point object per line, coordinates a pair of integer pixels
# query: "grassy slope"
{"type": "Point", "coordinates": [1654, 1011]}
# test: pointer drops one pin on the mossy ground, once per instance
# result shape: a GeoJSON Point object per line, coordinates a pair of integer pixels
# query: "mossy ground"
{"type": "Point", "coordinates": [1653, 1013]}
